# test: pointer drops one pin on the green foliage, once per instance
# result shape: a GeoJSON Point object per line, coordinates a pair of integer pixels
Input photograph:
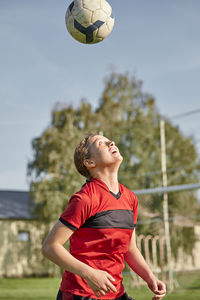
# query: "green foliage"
{"type": "Point", "coordinates": [128, 116]}
{"type": "Point", "coordinates": [182, 237]}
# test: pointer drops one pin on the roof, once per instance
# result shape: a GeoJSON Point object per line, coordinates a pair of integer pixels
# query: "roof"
{"type": "Point", "coordinates": [15, 205]}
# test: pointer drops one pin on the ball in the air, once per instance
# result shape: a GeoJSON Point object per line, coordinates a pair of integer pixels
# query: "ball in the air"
{"type": "Point", "coordinates": [89, 21]}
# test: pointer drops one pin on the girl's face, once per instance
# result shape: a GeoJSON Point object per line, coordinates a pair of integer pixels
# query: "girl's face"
{"type": "Point", "coordinates": [104, 152]}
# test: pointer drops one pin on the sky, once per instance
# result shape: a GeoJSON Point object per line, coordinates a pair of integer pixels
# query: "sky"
{"type": "Point", "coordinates": [41, 64]}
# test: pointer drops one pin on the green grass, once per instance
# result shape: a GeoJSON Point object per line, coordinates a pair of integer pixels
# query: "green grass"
{"type": "Point", "coordinates": [189, 288]}
{"type": "Point", "coordinates": [29, 288]}
{"type": "Point", "coordinates": [46, 288]}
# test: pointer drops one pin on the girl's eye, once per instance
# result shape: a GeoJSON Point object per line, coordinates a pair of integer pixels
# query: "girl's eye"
{"type": "Point", "coordinates": [100, 143]}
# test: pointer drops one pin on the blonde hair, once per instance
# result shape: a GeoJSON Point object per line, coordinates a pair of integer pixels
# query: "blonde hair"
{"type": "Point", "coordinates": [81, 153]}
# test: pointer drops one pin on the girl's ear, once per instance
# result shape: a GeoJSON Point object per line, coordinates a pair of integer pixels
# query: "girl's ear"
{"type": "Point", "coordinates": [89, 163]}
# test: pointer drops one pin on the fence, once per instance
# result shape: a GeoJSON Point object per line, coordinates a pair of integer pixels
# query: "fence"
{"type": "Point", "coordinates": [184, 236]}
{"type": "Point", "coordinates": [153, 249]}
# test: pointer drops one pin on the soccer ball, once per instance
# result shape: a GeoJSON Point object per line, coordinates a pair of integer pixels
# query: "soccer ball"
{"type": "Point", "coordinates": [89, 21]}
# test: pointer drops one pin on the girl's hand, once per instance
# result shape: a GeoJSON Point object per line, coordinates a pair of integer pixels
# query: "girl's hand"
{"type": "Point", "coordinates": [100, 282]}
{"type": "Point", "coordinates": [158, 288]}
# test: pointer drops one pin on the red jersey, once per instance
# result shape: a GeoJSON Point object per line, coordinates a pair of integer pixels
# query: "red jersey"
{"type": "Point", "coordinates": [103, 224]}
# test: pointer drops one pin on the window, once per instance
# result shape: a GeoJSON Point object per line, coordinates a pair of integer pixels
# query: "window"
{"type": "Point", "coordinates": [23, 236]}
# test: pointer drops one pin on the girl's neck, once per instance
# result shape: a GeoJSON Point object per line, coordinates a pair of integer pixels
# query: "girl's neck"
{"type": "Point", "coordinates": [110, 180]}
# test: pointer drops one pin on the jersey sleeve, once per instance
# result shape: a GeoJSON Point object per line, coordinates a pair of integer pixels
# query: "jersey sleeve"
{"type": "Point", "coordinates": [77, 211]}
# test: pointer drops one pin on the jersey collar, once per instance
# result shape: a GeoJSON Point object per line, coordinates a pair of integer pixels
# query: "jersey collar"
{"type": "Point", "coordinates": [103, 185]}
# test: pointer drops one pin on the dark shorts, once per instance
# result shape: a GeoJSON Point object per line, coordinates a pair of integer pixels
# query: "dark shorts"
{"type": "Point", "coordinates": [67, 296]}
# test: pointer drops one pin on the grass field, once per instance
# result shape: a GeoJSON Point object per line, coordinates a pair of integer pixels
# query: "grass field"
{"type": "Point", "coordinates": [46, 288]}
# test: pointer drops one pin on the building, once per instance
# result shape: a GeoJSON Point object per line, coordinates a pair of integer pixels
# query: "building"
{"type": "Point", "coordinates": [21, 238]}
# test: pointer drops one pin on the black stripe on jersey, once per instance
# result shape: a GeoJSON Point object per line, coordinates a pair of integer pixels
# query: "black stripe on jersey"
{"type": "Point", "coordinates": [67, 224]}
{"type": "Point", "coordinates": [120, 218]}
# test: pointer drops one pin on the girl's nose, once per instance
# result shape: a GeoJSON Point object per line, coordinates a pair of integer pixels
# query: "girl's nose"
{"type": "Point", "coordinates": [112, 143]}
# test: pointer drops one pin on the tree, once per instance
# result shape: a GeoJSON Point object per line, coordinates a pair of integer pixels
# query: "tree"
{"type": "Point", "coordinates": [128, 116]}
{"type": "Point", "coordinates": [52, 173]}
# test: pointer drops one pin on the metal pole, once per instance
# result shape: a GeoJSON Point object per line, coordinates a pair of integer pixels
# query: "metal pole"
{"type": "Point", "coordinates": [165, 202]}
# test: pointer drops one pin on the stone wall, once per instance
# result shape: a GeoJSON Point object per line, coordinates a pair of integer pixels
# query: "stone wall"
{"type": "Point", "coordinates": [20, 249]}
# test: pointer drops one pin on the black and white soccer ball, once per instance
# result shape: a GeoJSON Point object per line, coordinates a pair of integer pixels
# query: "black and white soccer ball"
{"type": "Point", "coordinates": [89, 21]}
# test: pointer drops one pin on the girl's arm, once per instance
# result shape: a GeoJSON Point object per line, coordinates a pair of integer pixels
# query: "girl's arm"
{"type": "Point", "coordinates": [98, 280]}
{"type": "Point", "coordinates": [138, 264]}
